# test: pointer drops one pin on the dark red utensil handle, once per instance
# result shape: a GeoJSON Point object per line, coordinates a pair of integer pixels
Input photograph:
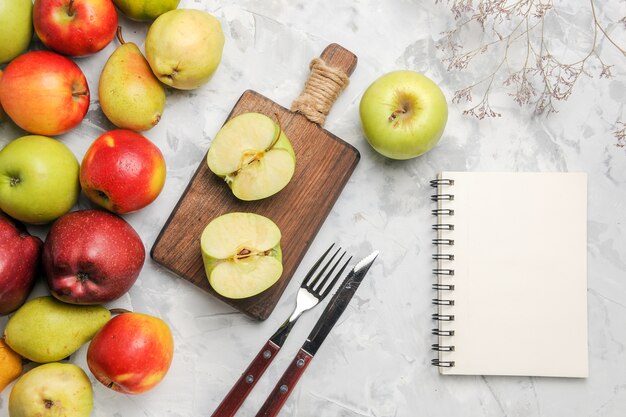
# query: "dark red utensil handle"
{"type": "Point", "coordinates": [285, 385]}
{"type": "Point", "coordinates": [238, 393]}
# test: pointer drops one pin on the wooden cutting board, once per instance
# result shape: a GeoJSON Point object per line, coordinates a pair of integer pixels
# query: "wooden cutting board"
{"type": "Point", "coordinates": [324, 164]}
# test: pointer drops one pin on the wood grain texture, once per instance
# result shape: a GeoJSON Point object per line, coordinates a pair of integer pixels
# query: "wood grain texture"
{"type": "Point", "coordinates": [324, 164]}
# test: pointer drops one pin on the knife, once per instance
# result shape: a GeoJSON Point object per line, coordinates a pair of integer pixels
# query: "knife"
{"type": "Point", "coordinates": [324, 325]}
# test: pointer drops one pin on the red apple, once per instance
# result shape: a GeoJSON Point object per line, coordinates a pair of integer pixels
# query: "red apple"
{"type": "Point", "coordinates": [44, 93]}
{"type": "Point", "coordinates": [19, 261]}
{"type": "Point", "coordinates": [122, 171]}
{"type": "Point", "coordinates": [131, 353]}
{"type": "Point", "coordinates": [75, 27]}
{"type": "Point", "coordinates": [91, 257]}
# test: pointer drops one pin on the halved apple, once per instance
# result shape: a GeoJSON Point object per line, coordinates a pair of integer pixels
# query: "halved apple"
{"type": "Point", "coordinates": [241, 254]}
{"type": "Point", "coordinates": [253, 155]}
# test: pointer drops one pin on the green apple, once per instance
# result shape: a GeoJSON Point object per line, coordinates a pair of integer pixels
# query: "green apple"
{"type": "Point", "coordinates": [145, 10]}
{"type": "Point", "coordinates": [16, 28]}
{"type": "Point", "coordinates": [38, 179]}
{"type": "Point", "coordinates": [184, 47]}
{"type": "Point", "coordinates": [403, 114]}
{"type": "Point", "coordinates": [241, 254]}
{"type": "Point", "coordinates": [253, 155]}
{"type": "Point", "coordinates": [51, 390]}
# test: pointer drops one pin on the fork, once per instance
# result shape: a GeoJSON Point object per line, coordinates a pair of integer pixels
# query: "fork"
{"type": "Point", "coordinates": [311, 292]}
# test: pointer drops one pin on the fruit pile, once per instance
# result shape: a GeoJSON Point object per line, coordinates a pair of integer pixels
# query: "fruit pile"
{"type": "Point", "coordinates": [88, 257]}
{"type": "Point", "coordinates": [92, 257]}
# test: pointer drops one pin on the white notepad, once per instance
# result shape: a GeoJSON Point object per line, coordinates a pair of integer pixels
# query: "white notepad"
{"type": "Point", "coordinates": [513, 300]}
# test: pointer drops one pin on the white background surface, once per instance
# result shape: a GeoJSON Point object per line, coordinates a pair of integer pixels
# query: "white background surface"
{"type": "Point", "coordinates": [376, 362]}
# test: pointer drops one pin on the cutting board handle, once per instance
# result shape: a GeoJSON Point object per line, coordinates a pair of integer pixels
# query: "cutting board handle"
{"type": "Point", "coordinates": [329, 76]}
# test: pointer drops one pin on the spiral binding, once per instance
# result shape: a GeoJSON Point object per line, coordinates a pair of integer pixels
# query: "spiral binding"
{"type": "Point", "coordinates": [448, 272]}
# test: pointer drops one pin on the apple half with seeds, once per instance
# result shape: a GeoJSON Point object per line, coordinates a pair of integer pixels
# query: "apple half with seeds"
{"type": "Point", "coordinates": [253, 155]}
{"type": "Point", "coordinates": [241, 254]}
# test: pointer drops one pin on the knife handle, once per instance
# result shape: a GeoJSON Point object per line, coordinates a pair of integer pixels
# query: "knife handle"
{"type": "Point", "coordinates": [238, 393]}
{"type": "Point", "coordinates": [285, 385]}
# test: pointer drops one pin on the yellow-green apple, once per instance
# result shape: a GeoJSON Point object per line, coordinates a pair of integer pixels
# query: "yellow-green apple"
{"type": "Point", "coordinates": [122, 171]}
{"type": "Point", "coordinates": [52, 390]}
{"type": "Point", "coordinates": [253, 155]}
{"type": "Point", "coordinates": [19, 261]}
{"type": "Point", "coordinates": [16, 28]}
{"type": "Point", "coordinates": [184, 47]}
{"type": "Point", "coordinates": [241, 254]}
{"type": "Point", "coordinates": [75, 27]}
{"type": "Point", "coordinates": [403, 114]}
{"type": "Point", "coordinates": [44, 93]}
{"type": "Point", "coordinates": [145, 10]}
{"type": "Point", "coordinates": [91, 257]}
{"type": "Point", "coordinates": [38, 179]}
{"type": "Point", "coordinates": [131, 353]}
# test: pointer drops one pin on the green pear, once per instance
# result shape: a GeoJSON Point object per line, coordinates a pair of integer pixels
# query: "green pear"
{"type": "Point", "coordinates": [145, 10]}
{"type": "Point", "coordinates": [52, 390]}
{"type": "Point", "coordinates": [131, 96]}
{"type": "Point", "coordinates": [47, 330]}
{"type": "Point", "coordinates": [16, 28]}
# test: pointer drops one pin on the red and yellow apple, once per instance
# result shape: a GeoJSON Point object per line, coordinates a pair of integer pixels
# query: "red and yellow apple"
{"type": "Point", "coordinates": [44, 93]}
{"type": "Point", "coordinates": [122, 171]}
{"type": "Point", "coordinates": [75, 27]}
{"type": "Point", "coordinates": [19, 261]}
{"type": "Point", "coordinates": [91, 257]}
{"type": "Point", "coordinates": [131, 353]}
{"type": "Point", "coordinates": [2, 117]}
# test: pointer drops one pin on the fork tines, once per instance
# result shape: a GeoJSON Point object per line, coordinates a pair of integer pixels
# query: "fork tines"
{"type": "Point", "coordinates": [317, 287]}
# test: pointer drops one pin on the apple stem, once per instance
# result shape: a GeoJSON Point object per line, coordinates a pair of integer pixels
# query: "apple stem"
{"type": "Point", "coordinates": [119, 311]}
{"type": "Point", "coordinates": [70, 10]}
{"type": "Point", "coordinates": [395, 114]}
{"type": "Point", "coordinates": [119, 35]}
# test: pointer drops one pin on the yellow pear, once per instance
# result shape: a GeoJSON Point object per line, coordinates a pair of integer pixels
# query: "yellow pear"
{"type": "Point", "coordinates": [131, 96]}
{"type": "Point", "coordinates": [52, 390]}
{"type": "Point", "coordinates": [10, 365]}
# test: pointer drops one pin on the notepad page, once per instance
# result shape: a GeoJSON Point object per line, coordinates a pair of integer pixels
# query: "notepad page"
{"type": "Point", "coordinates": [520, 274]}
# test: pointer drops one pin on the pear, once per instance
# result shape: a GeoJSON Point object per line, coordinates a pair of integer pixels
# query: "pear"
{"type": "Point", "coordinates": [52, 390]}
{"type": "Point", "coordinates": [47, 330]}
{"type": "Point", "coordinates": [131, 96]}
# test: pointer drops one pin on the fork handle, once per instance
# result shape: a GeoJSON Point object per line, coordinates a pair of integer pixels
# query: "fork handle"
{"type": "Point", "coordinates": [238, 393]}
{"type": "Point", "coordinates": [285, 385]}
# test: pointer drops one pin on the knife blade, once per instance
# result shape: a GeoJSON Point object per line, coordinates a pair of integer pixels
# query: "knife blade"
{"type": "Point", "coordinates": [335, 307]}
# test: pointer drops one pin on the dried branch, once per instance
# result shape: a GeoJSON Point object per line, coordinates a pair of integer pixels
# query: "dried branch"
{"type": "Point", "coordinates": [516, 28]}
{"type": "Point", "coordinates": [620, 134]}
